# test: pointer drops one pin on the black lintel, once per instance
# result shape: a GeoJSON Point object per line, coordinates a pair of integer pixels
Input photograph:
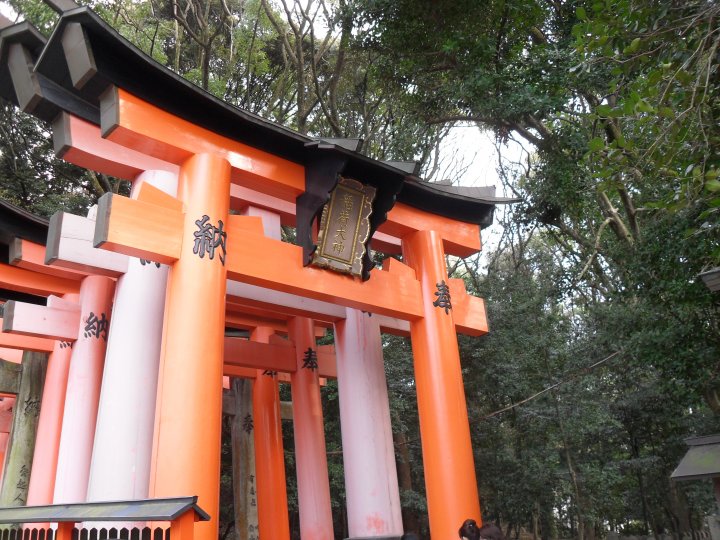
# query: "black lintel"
{"type": "Point", "coordinates": [59, 6]}
{"type": "Point", "coordinates": [409, 167]}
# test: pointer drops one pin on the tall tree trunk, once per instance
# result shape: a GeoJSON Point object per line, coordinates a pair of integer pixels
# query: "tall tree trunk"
{"type": "Point", "coordinates": [410, 518]}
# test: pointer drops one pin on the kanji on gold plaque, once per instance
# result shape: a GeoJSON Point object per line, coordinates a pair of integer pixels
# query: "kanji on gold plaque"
{"type": "Point", "coordinates": [344, 227]}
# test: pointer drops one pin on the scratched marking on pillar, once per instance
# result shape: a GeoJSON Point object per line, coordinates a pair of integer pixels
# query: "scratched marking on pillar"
{"type": "Point", "coordinates": [248, 424]}
{"type": "Point", "coordinates": [22, 484]}
{"type": "Point", "coordinates": [32, 406]}
{"type": "Point", "coordinates": [96, 327]}
{"type": "Point", "coordinates": [310, 359]}
{"type": "Point", "coordinates": [208, 238]}
{"type": "Point", "coordinates": [270, 373]}
{"type": "Point", "coordinates": [147, 262]}
{"type": "Point", "coordinates": [443, 297]}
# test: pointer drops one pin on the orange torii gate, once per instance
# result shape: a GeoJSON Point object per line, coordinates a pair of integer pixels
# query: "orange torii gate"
{"type": "Point", "coordinates": [142, 106]}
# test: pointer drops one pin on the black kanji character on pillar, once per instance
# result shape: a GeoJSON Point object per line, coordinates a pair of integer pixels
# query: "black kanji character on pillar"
{"type": "Point", "coordinates": [146, 261]}
{"type": "Point", "coordinates": [95, 326]}
{"type": "Point", "coordinates": [208, 237]}
{"type": "Point", "coordinates": [248, 424]}
{"type": "Point", "coordinates": [310, 359]}
{"type": "Point", "coordinates": [270, 373]}
{"type": "Point", "coordinates": [443, 297]}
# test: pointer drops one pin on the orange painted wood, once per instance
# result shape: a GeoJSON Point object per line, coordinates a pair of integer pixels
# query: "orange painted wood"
{"type": "Point", "coordinates": [143, 127]}
{"type": "Point", "coordinates": [313, 484]}
{"type": "Point", "coordinates": [41, 321]}
{"type": "Point", "coordinates": [31, 256]}
{"type": "Point", "coordinates": [25, 343]}
{"type": "Point", "coordinates": [261, 309]}
{"type": "Point", "coordinates": [327, 364]}
{"type": "Point", "coordinates": [6, 416]}
{"type": "Point", "coordinates": [152, 232]}
{"type": "Point", "coordinates": [186, 450]}
{"type": "Point", "coordinates": [450, 481]}
{"type": "Point", "coordinates": [21, 280]}
{"type": "Point", "coordinates": [183, 528]}
{"type": "Point", "coordinates": [148, 193]}
{"type": "Point", "coordinates": [245, 321]}
{"type": "Point", "coordinates": [269, 454]}
{"type": "Point", "coordinates": [280, 268]}
{"type": "Point", "coordinates": [252, 354]}
{"type": "Point", "coordinates": [81, 143]}
{"type": "Point", "coordinates": [459, 238]}
{"type": "Point", "coordinates": [397, 268]}
{"type": "Point", "coordinates": [239, 225]}
{"type": "Point", "coordinates": [240, 372]}
{"type": "Point", "coordinates": [64, 530]}
{"type": "Point", "coordinates": [139, 229]}
{"type": "Point", "coordinates": [468, 311]}
{"type": "Point", "coordinates": [11, 355]}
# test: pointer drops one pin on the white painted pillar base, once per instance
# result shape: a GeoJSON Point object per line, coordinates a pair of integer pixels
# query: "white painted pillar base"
{"type": "Point", "coordinates": [373, 499]}
{"type": "Point", "coordinates": [122, 453]}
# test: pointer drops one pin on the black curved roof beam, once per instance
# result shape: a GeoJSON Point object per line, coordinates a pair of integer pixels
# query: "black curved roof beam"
{"type": "Point", "coordinates": [20, 46]}
{"type": "Point", "coordinates": [85, 55]}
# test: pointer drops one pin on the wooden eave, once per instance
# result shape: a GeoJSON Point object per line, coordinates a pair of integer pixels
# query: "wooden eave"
{"type": "Point", "coordinates": [101, 58]}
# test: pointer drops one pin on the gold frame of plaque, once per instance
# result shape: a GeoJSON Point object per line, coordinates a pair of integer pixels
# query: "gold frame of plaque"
{"type": "Point", "coordinates": [345, 227]}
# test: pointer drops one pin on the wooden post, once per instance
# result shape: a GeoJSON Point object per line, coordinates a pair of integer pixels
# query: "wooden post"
{"type": "Point", "coordinates": [18, 459]}
{"type": "Point", "coordinates": [269, 455]}
{"type": "Point", "coordinates": [310, 453]}
{"type": "Point", "coordinates": [42, 478]}
{"type": "Point", "coordinates": [186, 448]}
{"type": "Point", "coordinates": [122, 452]}
{"type": "Point", "coordinates": [371, 487]}
{"type": "Point", "coordinates": [83, 390]}
{"type": "Point", "coordinates": [243, 460]}
{"type": "Point", "coordinates": [452, 495]}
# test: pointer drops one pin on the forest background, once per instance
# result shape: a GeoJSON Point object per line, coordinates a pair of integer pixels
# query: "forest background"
{"type": "Point", "coordinates": [595, 308]}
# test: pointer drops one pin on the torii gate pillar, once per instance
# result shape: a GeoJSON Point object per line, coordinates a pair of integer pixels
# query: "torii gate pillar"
{"type": "Point", "coordinates": [269, 455]}
{"type": "Point", "coordinates": [83, 390]}
{"type": "Point", "coordinates": [187, 446]}
{"type": "Point", "coordinates": [126, 414]}
{"type": "Point", "coordinates": [313, 483]}
{"type": "Point", "coordinates": [45, 458]}
{"type": "Point", "coordinates": [450, 483]}
{"type": "Point", "coordinates": [373, 498]}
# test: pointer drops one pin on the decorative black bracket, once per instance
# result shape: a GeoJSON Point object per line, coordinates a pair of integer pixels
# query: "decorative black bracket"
{"type": "Point", "coordinates": [321, 177]}
{"type": "Point", "coordinates": [322, 173]}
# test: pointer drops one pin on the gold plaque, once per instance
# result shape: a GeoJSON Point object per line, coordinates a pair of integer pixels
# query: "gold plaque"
{"type": "Point", "coordinates": [344, 227]}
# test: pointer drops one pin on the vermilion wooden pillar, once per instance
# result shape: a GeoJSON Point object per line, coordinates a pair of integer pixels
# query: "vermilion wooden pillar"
{"type": "Point", "coordinates": [122, 452]}
{"type": "Point", "coordinates": [269, 456]}
{"type": "Point", "coordinates": [371, 487]}
{"type": "Point", "coordinates": [310, 454]}
{"type": "Point", "coordinates": [450, 483]}
{"type": "Point", "coordinates": [83, 390]}
{"type": "Point", "coordinates": [45, 457]}
{"type": "Point", "coordinates": [187, 445]}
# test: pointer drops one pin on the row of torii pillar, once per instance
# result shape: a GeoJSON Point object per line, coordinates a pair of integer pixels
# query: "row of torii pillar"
{"type": "Point", "coordinates": [136, 310]}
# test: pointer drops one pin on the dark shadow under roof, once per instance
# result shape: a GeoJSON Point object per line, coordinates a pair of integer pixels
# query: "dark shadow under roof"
{"type": "Point", "coordinates": [18, 223]}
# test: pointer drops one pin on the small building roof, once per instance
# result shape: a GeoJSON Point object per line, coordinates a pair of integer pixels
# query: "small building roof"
{"type": "Point", "coordinates": [711, 278]}
{"type": "Point", "coordinates": [140, 510]}
{"type": "Point", "coordinates": [702, 459]}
